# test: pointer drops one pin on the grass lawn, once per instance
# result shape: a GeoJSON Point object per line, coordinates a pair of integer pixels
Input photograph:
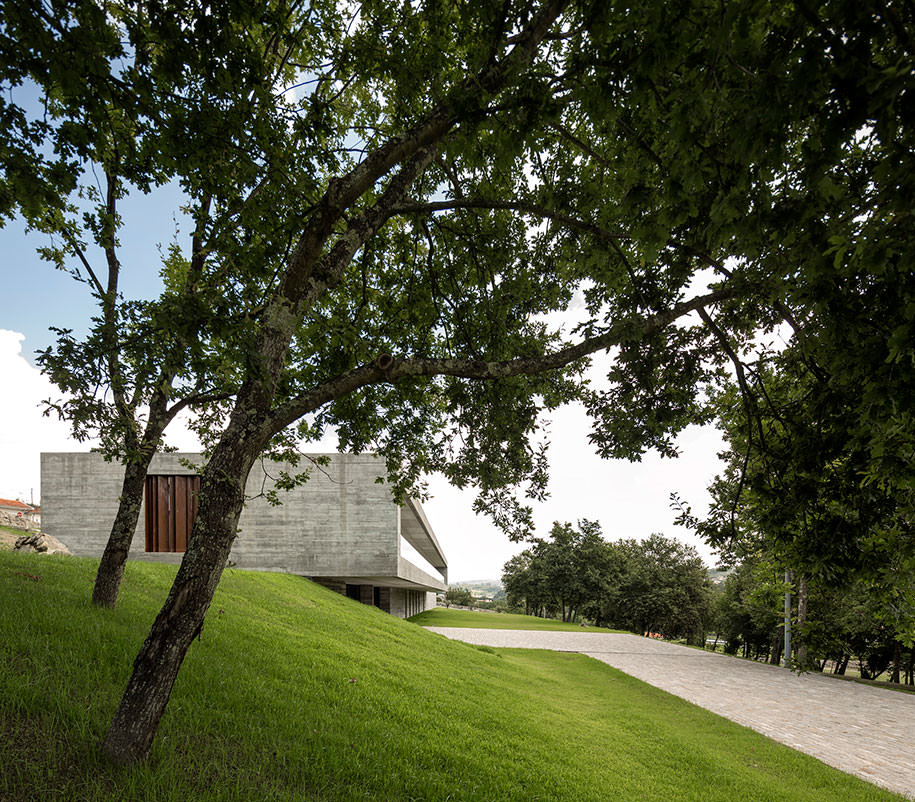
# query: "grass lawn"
{"type": "Point", "coordinates": [296, 693]}
{"type": "Point", "coordinates": [478, 619]}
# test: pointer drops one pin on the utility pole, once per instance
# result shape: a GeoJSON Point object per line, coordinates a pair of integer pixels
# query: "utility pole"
{"type": "Point", "coordinates": [787, 618]}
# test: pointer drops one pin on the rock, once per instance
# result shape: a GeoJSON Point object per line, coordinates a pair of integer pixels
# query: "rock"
{"type": "Point", "coordinates": [41, 543]}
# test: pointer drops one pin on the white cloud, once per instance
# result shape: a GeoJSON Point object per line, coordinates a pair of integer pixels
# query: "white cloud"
{"type": "Point", "coordinates": [630, 500]}
{"type": "Point", "coordinates": [24, 431]}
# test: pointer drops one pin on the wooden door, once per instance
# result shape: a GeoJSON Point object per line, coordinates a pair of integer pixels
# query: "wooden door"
{"type": "Point", "coordinates": [171, 505]}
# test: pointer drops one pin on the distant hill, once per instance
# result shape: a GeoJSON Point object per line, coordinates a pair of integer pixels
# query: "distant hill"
{"type": "Point", "coordinates": [717, 576]}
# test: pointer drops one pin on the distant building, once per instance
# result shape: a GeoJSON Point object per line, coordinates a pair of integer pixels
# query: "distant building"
{"type": "Point", "coordinates": [19, 514]}
{"type": "Point", "coordinates": [340, 528]}
{"type": "Point", "coordinates": [15, 507]}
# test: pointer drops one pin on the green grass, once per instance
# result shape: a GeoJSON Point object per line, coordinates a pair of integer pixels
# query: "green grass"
{"type": "Point", "coordinates": [448, 617]}
{"type": "Point", "coordinates": [295, 693]}
{"type": "Point", "coordinates": [10, 533]}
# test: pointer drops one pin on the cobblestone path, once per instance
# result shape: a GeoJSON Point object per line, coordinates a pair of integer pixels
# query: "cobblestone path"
{"type": "Point", "coordinates": [866, 731]}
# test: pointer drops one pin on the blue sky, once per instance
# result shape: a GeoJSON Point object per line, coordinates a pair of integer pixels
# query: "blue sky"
{"type": "Point", "coordinates": [39, 296]}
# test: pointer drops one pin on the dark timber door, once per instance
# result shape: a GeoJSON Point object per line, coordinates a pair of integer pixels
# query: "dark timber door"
{"type": "Point", "coordinates": [171, 505]}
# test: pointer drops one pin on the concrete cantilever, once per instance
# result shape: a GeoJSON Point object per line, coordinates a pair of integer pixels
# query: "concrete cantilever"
{"type": "Point", "coordinates": [416, 530]}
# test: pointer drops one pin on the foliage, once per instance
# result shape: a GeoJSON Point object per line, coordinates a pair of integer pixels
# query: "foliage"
{"type": "Point", "coordinates": [795, 496]}
{"type": "Point", "coordinates": [566, 147]}
{"type": "Point", "coordinates": [656, 585]}
{"type": "Point", "coordinates": [749, 610]}
{"type": "Point", "coordinates": [458, 594]}
{"type": "Point", "coordinates": [562, 575]}
{"type": "Point", "coordinates": [293, 692]}
{"type": "Point", "coordinates": [664, 588]}
{"type": "Point", "coordinates": [844, 625]}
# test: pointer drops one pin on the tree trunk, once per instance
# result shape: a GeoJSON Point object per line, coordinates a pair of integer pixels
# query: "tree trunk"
{"type": "Point", "coordinates": [897, 659]}
{"type": "Point", "coordinates": [801, 650]}
{"type": "Point", "coordinates": [222, 496]}
{"type": "Point", "coordinates": [111, 567]}
{"type": "Point", "coordinates": [777, 644]}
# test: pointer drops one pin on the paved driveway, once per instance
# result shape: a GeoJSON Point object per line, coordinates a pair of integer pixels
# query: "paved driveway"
{"type": "Point", "coordinates": [866, 731]}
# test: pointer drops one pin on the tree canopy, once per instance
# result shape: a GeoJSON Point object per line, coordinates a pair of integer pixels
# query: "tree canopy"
{"type": "Point", "coordinates": [658, 585]}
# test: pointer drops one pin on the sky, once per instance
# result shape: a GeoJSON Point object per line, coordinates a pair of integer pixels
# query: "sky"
{"type": "Point", "coordinates": [630, 500]}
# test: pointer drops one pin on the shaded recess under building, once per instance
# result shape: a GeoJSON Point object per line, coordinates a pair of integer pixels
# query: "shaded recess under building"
{"type": "Point", "coordinates": [340, 528]}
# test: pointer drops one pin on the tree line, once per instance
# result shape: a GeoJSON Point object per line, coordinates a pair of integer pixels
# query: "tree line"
{"type": "Point", "coordinates": [833, 628]}
{"type": "Point", "coordinates": [815, 504]}
{"type": "Point", "coordinates": [658, 585]}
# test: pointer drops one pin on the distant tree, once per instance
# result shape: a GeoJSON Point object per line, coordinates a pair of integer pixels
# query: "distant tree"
{"type": "Point", "coordinates": [565, 575]}
{"type": "Point", "coordinates": [458, 594]}
{"type": "Point", "coordinates": [749, 610]}
{"type": "Point", "coordinates": [663, 587]}
{"type": "Point", "coordinates": [599, 567]}
{"type": "Point", "coordinates": [795, 495]}
{"type": "Point", "coordinates": [842, 624]}
{"type": "Point", "coordinates": [556, 559]}
{"type": "Point", "coordinates": [524, 581]}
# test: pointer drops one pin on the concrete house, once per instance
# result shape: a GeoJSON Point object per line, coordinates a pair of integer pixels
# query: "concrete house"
{"type": "Point", "coordinates": [340, 528]}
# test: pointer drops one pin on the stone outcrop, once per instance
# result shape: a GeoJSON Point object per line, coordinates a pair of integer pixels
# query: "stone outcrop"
{"type": "Point", "coordinates": [41, 543]}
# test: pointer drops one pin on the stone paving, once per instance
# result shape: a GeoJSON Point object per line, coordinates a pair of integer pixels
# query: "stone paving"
{"type": "Point", "coordinates": [866, 731]}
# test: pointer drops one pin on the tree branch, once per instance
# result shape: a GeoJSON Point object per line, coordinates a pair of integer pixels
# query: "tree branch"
{"type": "Point", "coordinates": [582, 145]}
{"type": "Point", "coordinates": [609, 237]}
{"type": "Point", "coordinates": [389, 370]}
{"type": "Point", "coordinates": [469, 97]}
{"type": "Point", "coordinates": [516, 206]}
{"type": "Point", "coordinates": [114, 266]}
{"type": "Point", "coordinates": [197, 400]}
{"type": "Point", "coordinates": [748, 407]}
{"type": "Point", "coordinates": [330, 269]}
{"type": "Point", "coordinates": [74, 246]}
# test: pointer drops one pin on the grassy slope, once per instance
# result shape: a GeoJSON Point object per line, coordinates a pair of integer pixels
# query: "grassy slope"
{"type": "Point", "coordinates": [296, 693]}
{"type": "Point", "coordinates": [9, 535]}
{"type": "Point", "coordinates": [448, 617]}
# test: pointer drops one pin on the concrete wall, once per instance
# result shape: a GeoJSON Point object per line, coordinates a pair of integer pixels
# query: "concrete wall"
{"type": "Point", "coordinates": [80, 495]}
{"type": "Point", "coordinates": [406, 602]}
{"type": "Point", "coordinates": [340, 523]}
